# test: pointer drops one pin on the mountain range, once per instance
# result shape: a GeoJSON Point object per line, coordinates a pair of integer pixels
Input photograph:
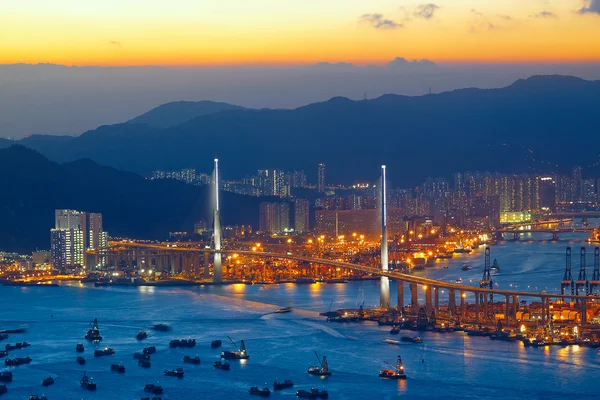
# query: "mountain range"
{"type": "Point", "coordinates": [131, 206]}
{"type": "Point", "coordinates": [543, 123]}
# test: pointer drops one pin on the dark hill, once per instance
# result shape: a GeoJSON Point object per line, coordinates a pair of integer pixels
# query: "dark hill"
{"type": "Point", "coordinates": [33, 187]}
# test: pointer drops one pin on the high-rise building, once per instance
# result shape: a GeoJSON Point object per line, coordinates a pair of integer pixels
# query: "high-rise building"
{"type": "Point", "coordinates": [274, 218]}
{"type": "Point", "coordinates": [272, 182]}
{"type": "Point", "coordinates": [66, 248]}
{"type": "Point", "coordinates": [588, 190]}
{"type": "Point", "coordinates": [321, 178]}
{"type": "Point", "coordinates": [296, 179]}
{"type": "Point", "coordinates": [577, 192]}
{"type": "Point", "coordinates": [301, 215]}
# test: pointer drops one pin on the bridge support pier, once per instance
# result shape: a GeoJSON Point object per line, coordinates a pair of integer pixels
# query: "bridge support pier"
{"type": "Point", "coordinates": [555, 236]}
{"type": "Point", "coordinates": [400, 296]}
{"type": "Point", "coordinates": [414, 299]}
{"type": "Point", "coordinates": [485, 307]}
{"type": "Point", "coordinates": [516, 236]}
{"type": "Point", "coordinates": [515, 307]}
{"type": "Point", "coordinates": [428, 306]}
{"type": "Point", "coordinates": [451, 302]}
{"type": "Point", "coordinates": [462, 304]}
{"type": "Point", "coordinates": [436, 300]}
{"type": "Point", "coordinates": [507, 311]}
{"type": "Point", "coordinates": [206, 266]}
{"type": "Point", "coordinates": [544, 311]}
{"type": "Point", "coordinates": [583, 311]}
{"type": "Point", "coordinates": [477, 300]}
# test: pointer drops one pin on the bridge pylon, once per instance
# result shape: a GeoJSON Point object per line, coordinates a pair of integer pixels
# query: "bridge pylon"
{"type": "Point", "coordinates": [595, 281]}
{"type": "Point", "coordinates": [384, 296]}
{"type": "Point", "coordinates": [486, 279]}
{"type": "Point", "coordinates": [582, 282]}
{"type": "Point", "coordinates": [567, 280]}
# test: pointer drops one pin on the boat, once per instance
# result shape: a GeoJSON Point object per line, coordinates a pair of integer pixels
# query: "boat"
{"type": "Point", "coordinates": [460, 249]}
{"type": "Point", "coordinates": [312, 394]}
{"type": "Point", "coordinates": [94, 333]}
{"type": "Point", "coordinates": [154, 389]}
{"type": "Point", "coordinates": [15, 362]}
{"type": "Point", "coordinates": [465, 267]}
{"type": "Point", "coordinates": [459, 281]}
{"type": "Point", "coordinates": [444, 256]}
{"type": "Point", "coordinates": [48, 381]}
{"type": "Point", "coordinates": [3, 336]}
{"type": "Point", "coordinates": [153, 398]}
{"type": "Point", "coordinates": [117, 367]}
{"type": "Point", "coordinates": [320, 370]}
{"type": "Point", "coordinates": [177, 372]}
{"type": "Point", "coordinates": [303, 280]}
{"type": "Point", "coordinates": [6, 376]}
{"type": "Point", "coordinates": [17, 330]}
{"type": "Point", "coordinates": [144, 363]}
{"type": "Point", "coordinates": [149, 350]}
{"type": "Point", "coordinates": [277, 385]}
{"type": "Point", "coordinates": [161, 327]}
{"type": "Point", "coordinates": [414, 339]}
{"type": "Point", "coordinates": [182, 343]}
{"type": "Point", "coordinates": [397, 371]}
{"type": "Point", "coordinates": [86, 382]}
{"type": "Point", "coordinates": [264, 392]}
{"type": "Point", "coordinates": [140, 356]}
{"type": "Point", "coordinates": [241, 354]}
{"type": "Point", "coordinates": [216, 344]}
{"type": "Point", "coordinates": [107, 351]}
{"type": "Point", "coordinates": [36, 397]}
{"type": "Point", "coordinates": [80, 360]}
{"type": "Point", "coordinates": [79, 348]}
{"type": "Point", "coordinates": [191, 360]}
{"type": "Point", "coordinates": [284, 310]}
{"type": "Point", "coordinates": [395, 330]}
{"type": "Point", "coordinates": [222, 365]}
{"type": "Point", "coordinates": [391, 341]}
{"type": "Point", "coordinates": [16, 346]}
{"type": "Point", "coordinates": [3, 389]}
{"type": "Point", "coordinates": [141, 335]}
{"type": "Point", "coordinates": [3, 353]}
{"type": "Point", "coordinates": [495, 267]}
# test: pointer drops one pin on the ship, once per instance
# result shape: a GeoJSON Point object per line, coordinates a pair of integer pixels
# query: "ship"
{"type": "Point", "coordinates": [144, 363]}
{"type": "Point", "coordinates": [86, 382]}
{"type": "Point", "coordinates": [16, 346]}
{"type": "Point", "coordinates": [3, 389]}
{"type": "Point", "coordinates": [182, 343]}
{"type": "Point", "coordinates": [216, 344]}
{"type": "Point", "coordinates": [15, 362]}
{"type": "Point", "coordinates": [415, 339]}
{"type": "Point", "coordinates": [48, 381]}
{"type": "Point", "coordinates": [177, 372]}
{"type": "Point", "coordinates": [117, 367]}
{"type": "Point", "coordinates": [495, 267]}
{"type": "Point", "coordinates": [149, 350]}
{"type": "Point", "coordinates": [3, 336]}
{"type": "Point", "coordinates": [107, 351]}
{"type": "Point", "coordinates": [397, 371]}
{"type": "Point", "coordinates": [6, 376]}
{"type": "Point", "coordinates": [80, 360]}
{"type": "Point", "coordinates": [277, 385]}
{"type": "Point", "coordinates": [241, 354]}
{"type": "Point", "coordinates": [395, 330]}
{"type": "Point", "coordinates": [161, 327]}
{"type": "Point", "coordinates": [222, 365]}
{"type": "Point", "coordinates": [465, 267]}
{"type": "Point", "coordinates": [264, 392]}
{"type": "Point", "coordinates": [312, 394]}
{"type": "Point", "coordinates": [94, 333]}
{"type": "Point", "coordinates": [36, 397]}
{"type": "Point", "coordinates": [191, 360]}
{"type": "Point", "coordinates": [284, 310]}
{"type": "Point", "coordinates": [303, 280]}
{"type": "Point", "coordinates": [141, 335]}
{"type": "Point", "coordinates": [140, 356]}
{"type": "Point", "coordinates": [3, 353]}
{"type": "Point", "coordinates": [391, 341]}
{"type": "Point", "coordinates": [320, 370]}
{"type": "Point", "coordinates": [79, 348]}
{"type": "Point", "coordinates": [154, 389]}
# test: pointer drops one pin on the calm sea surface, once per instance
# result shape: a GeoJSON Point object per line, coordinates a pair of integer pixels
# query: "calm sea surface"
{"type": "Point", "coordinates": [281, 346]}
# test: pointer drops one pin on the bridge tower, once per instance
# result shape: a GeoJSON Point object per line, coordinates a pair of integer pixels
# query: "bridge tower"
{"type": "Point", "coordinates": [595, 282]}
{"type": "Point", "coordinates": [217, 266]}
{"type": "Point", "coordinates": [486, 280]}
{"type": "Point", "coordinates": [384, 296]}
{"type": "Point", "coordinates": [582, 282]}
{"type": "Point", "coordinates": [568, 277]}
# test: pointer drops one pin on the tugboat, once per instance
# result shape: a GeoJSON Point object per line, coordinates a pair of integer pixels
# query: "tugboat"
{"type": "Point", "coordinates": [465, 267]}
{"type": "Point", "coordinates": [48, 381]}
{"type": "Point", "coordinates": [6, 376]}
{"type": "Point", "coordinates": [144, 363]}
{"type": "Point", "coordinates": [80, 360]}
{"type": "Point", "coordinates": [395, 330]}
{"type": "Point", "coordinates": [312, 394]}
{"type": "Point", "coordinates": [141, 335]}
{"type": "Point", "coordinates": [282, 385]}
{"type": "Point", "coordinates": [140, 356]}
{"type": "Point", "coordinates": [284, 310]}
{"type": "Point", "coordinates": [107, 351]}
{"type": "Point", "coordinates": [3, 353]}
{"type": "Point", "coordinates": [86, 382]}
{"type": "Point", "coordinates": [182, 343]}
{"type": "Point", "coordinates": [161, 327]}
{"type": "Point", "coordinates": [154, 389]}
{"type": "Point", "coordinates": [397, 372]}
{"type": "Point", "coordinates": [322, 370]}
{"type": "Point", "coordinates": [120, 368]}
{"type": "Point", "coordinates": [15, 362]}
{"type": "Point", "coordinates": [149, 350]}
{"type": "Point", "coordinates": [177, 372]}
{"type": "Point", "coordinates": [79, 348]}
{"type": "Point", "coordinates": [495, 267]}
{"type": "Point", "coordinates": [191, 360]}
{"type": "Point", "coordinates": [216, 344]}
{"type": "Point", "coordinates": [225, 366]}
{"type": "Point", "coordinates": [415, 339]}
{"type": "Point", "coordinates": [16, 346]}
{"type": "Point", "coordinates": [94, 333]}
{"type": "Point", "coordinates": [264, 392]}
{"type": "Point", "coordinates": [241, 354]}
{"type": "Point", "coordinates": [3, 336]}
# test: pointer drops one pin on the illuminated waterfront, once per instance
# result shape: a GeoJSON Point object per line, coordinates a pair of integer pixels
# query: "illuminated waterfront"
{"type": "Point", "coordinates": [281, 345]}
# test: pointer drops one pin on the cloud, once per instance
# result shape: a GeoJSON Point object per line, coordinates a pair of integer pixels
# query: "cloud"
{"type": "Point", "coordinates": [377, 21]}
{"type": "Point", "coordinates": [544, 14]}
{"type": "Point", "coordinates": [590, 7]}
{"type": "Point", "coordinates": [115, 43]}
{"type": "Point", "coordinates": [426, 10]}
{"type": "Point", "coordinates": [481, 22]}
{"type": "Point", "coordinates": [506, 17]}
{"type": "Point", "coordinates": [400, 62]}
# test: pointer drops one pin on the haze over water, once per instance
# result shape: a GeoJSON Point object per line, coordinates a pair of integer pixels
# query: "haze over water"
{"type": "Point", "coordinates": [445, 366]}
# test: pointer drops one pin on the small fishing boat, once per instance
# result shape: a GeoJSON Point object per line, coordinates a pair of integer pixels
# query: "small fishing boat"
{"type": "Point", "coordinates": [277, 385]}
{"type": "Point", "coordinates": [48, 381]}
{"type": "Point", "coordinates": [86, 382]}
{"type": "Point", "coordinates": [264, 392]}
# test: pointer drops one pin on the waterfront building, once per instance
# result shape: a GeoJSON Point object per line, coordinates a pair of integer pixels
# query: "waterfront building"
{"type": "Point", "coordinates": [274, 218]}
{"type": "Point", "coordinates": [301, 215]}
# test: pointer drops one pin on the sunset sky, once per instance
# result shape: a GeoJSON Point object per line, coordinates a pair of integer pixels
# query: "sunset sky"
{"type": "Point", "coordinates": [282, 32]}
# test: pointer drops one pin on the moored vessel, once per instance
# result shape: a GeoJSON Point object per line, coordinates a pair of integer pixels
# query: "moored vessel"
{"type": "Point", "coordinates": [397, 371]}
{"type": "Point", "coordinates": [320, 370]}
{"type": "Point", "coordinates": [240, 354]}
